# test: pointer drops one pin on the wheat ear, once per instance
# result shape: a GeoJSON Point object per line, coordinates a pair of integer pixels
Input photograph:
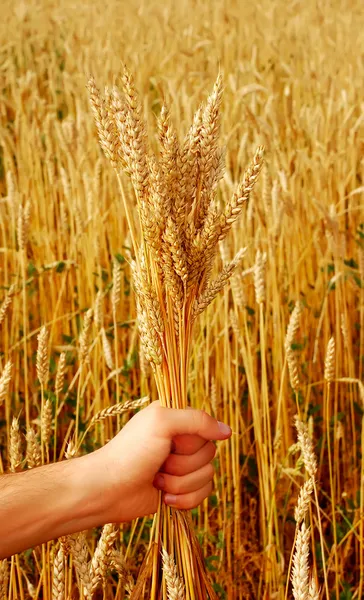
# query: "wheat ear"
{"type": "Point", "coordinates": [79, 550]}
{"type": "Point", "coordinates": [235, 206]}
{"type": "Point", "coordinates": [33, 453]}
{"type": "Point", "coordinates": [15, 449]}
{"type": "Point", "coordinates": [58, 583]}
{"type": "Point", "coordinates": [118, 409]}
{"type": "Point", "coordinates": [46, 422]}
{"type": "Point", "coordinates": [42, 356]}
{"type": "Point", "coordinates": [329, 373]}
{"type": "Point", "coordinates": [293, 325]}
{"type": "Point", "coordinates": [300, 571]}
{"type": "Point", "coordinates": [5, 381]}
{"type": "Point", "coordinates": [60, 374]}
{"type": "Point", "coordinates": [6, 303]}
{"type": "Point", "coordinates": [304, 500]}
{"type": "Point", "coordinates": [306, 446]}
{"type": "Point", "coordinates": [102, 555]}
{"type": "Point", "coordinates": [84, 341]}
{"type": "Point", "coordinates": [175, 587]}
{"type": "Point", "coordinates": [4, 579]}
{"type": "Point", "coordinates": [259, 276]}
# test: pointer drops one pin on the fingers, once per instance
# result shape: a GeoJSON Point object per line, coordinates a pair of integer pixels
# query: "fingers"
{"type": "Point", "coordinates": [187, 444]}
{"type": "Point", "coordinates": [173, 422]}
{"type": "Point", "coordinates": [179, 464]}
{"type": "Point", "coordinates": [191, 500]}
{"type": "Point", "coordinates": [186, 483]}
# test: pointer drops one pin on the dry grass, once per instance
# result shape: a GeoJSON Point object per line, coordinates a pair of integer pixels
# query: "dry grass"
{"type": "Point", "coordinates": [65, 264]}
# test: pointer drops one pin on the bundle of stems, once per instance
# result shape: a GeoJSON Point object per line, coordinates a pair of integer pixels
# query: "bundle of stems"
{"type": "Point", "coordinates": [174, 249]}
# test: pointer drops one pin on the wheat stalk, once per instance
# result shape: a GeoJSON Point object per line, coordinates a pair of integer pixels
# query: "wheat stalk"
{"type": "Point", "coordinates": [173, 262]}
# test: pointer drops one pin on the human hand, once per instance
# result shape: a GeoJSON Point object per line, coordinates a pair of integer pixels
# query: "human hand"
{"type": "Point", "coordinates": [158, 449]}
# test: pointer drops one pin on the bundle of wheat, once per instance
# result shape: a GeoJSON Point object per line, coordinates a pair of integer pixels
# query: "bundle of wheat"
{"type": "Point", "coordinates": [180, 228]}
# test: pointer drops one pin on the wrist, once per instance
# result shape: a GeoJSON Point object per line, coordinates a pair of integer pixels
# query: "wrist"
{"type": "Point", "coordinates": [87, 485]}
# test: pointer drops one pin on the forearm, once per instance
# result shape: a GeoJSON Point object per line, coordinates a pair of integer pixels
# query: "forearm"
{"type": "Point", "coordinates": [46, 503]}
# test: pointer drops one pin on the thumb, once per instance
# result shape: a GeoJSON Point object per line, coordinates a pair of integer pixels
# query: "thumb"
{"type": "Point", "coordinates": [193, 422]}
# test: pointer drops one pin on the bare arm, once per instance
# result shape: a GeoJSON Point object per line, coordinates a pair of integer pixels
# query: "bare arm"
{"type": "Point", "coordinates": [46, 503]}
{"type": "Point", "coordinates": [117, 483]}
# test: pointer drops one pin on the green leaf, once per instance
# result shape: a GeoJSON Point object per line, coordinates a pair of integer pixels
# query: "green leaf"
{"type": "Point", "coordinates": [351, 263]}
{"type": "Point", "coordinates": [219, 590]}
{"type": "Point", "coordinates": [210, 562]}
{"type": "Point", "coordinates": [120, 258]}
{"type": "Point", "coordinates": [32, 269]}
{"type": "Point", "coordinates": [60, 267]}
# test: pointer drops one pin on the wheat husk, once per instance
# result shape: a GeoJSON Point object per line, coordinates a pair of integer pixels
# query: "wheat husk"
{"type": "Point", "coordinates": [100, 561]}
{"type": "Point", "coordinates": [304, 500]}
{"type": "Point", "coordinates": [5, 381]}
{"type": "Point", "coordinates": [15, 446]}
{"type": "Point", "coordinates": [306, 446]}
{"type": "Point", "coordinates": [33, 453]}
{"type": "Point", "coordinates": [4, 579]}
{"type": "Point", "coordinates": [173, 267]}
{"type": "Point", "coordinates": [300, 571]}
{"type": "Point", "coordinates": [58, 582]}
{"type": "Point", "coordinates": [330, 361]}
{"type": "Point", "coordinates": [42, 356]}
{"type": "Point", "coordinates": [4, 308]}
{"type": "Point", "coordinates": [119, 409]}
{"type": "Point", "coordinates": [60, 374]}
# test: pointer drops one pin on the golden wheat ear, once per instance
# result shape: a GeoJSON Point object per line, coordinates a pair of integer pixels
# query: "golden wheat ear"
{"type": "Point", "coordinates": [180, 227]}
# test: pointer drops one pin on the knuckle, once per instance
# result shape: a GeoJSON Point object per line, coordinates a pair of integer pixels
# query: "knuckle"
{"type": "Point", "coordinates": [171, 465]}
{"type": "Point", "coordinates": [173, 485]}
{"type": "Point", "coordinates": [155, 415]}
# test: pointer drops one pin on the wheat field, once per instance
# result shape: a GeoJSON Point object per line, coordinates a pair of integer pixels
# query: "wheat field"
{"type": "Point", "coordinates": [292, 78]}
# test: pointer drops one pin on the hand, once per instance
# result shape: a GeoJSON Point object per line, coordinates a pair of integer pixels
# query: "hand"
{"type": "Point", "coordinates": [159, 449]}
